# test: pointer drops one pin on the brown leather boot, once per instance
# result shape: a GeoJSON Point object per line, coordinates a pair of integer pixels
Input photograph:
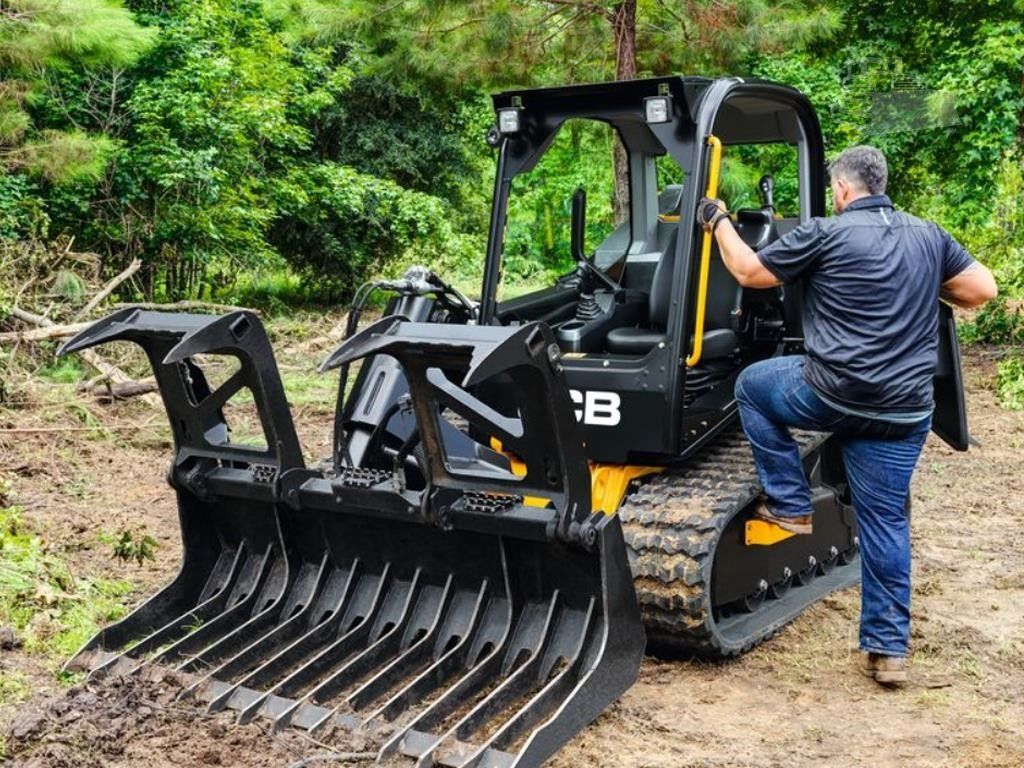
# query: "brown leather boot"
{"type": "Point", "coordinates": [799, 524]}
{"type": "Point", "coordinates": [888, 671]}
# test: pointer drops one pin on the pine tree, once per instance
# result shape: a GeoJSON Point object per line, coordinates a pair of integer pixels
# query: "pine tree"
{"type": "Point", "coordinates": [540, 42]}
{"type": "Point", "coordinates": [95, 39]}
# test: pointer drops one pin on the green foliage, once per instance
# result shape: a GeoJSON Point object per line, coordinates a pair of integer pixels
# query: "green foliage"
{"type": "Point", "coordinates": [134, 546]}
{"type": "Point", "coordinates": [89, 32]}
{"type": "Point", "coordinates": [215, 117]}
{"type": "Point", "coordinates": [274, 291]}
{"type": "Point", "coordinates": [51, 609]}
{"type": "Point", "coordinates": [537, 42]}
{"type": "Point", "coordinates": [22, 211]}
{"type": "Point", "coordinates": [538, 230]}
{"type": "Point", "coordinates": [283, 151]}
{"type": "Point", "coordinates": [1000, 240]}
{"type": "Point", "coordinates": [341, 225]}
{"type": "Point", "coordinates": [66, 370]}
{"type": "Point", "coordinates": [1010, 382]}
{"type": "Point", "coordinates": [743, 167]}
{"type": "Point", "coordinates": [69, 286]}
{"type": "Point", "coordinates": [63, 156]}
{"type": "Point", "coordinates": [39, 41]}
{"type": "Point", "coordinates": [998, 322]}
{"type": "Point", "coordinates": [949, 159]}
{"type": "Point", "coordinates": [387, 130]}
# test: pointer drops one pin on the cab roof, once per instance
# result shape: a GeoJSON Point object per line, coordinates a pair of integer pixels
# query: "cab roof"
{"type": "Point", "coordinates": [747, 110]}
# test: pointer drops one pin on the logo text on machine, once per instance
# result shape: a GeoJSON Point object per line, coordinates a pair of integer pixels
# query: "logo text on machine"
{"type": "Point", "coordinates": [598, 409]}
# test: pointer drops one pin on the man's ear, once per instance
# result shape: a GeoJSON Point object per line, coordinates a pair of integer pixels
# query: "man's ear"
{"type": "Point", "coordinates": [841, 192]}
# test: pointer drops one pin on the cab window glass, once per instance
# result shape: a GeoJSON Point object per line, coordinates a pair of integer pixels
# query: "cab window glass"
{"type": "Point", "coordinates": [537, 236]}
{"type": "Point", "coordinates": [743, 165]}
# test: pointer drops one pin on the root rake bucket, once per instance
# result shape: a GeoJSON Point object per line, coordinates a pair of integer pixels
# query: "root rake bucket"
{"type": "Point", "coordinates": [453, 623]}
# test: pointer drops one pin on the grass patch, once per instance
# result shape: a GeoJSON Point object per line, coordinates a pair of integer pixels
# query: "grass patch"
{"type": "Point", "coordinates": [14, 687]}
{"type": "Point", "coordinates": [311, 388]}
{"type": "Point", "coordinates": [1010, 382]}
{"type": "Point", "coordinates": [933, 698]}
{"type": "Point", "coordinates": [65, 370]}
{"type": "Point", "coordinates": [51, 610]}
{"type": "Point", "coordinates": [275, 293]}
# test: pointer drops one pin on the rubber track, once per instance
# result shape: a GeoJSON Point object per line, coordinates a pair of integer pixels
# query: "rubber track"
{"type": "Point", "coordinates": [672, 524]}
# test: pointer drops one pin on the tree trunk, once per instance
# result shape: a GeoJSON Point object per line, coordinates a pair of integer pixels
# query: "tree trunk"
{"type": "Point", "coordinates": [623, 21]}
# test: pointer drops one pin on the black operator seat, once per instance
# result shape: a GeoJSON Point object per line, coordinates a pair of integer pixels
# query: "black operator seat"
{"type": "Point", "coordinates": [725, 295]}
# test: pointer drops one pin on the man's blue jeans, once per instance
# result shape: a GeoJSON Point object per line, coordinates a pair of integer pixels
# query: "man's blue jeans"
{"type": "Point", "coordinates": [879, 457]}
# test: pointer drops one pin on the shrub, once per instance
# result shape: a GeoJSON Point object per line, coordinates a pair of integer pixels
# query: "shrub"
{"type": "Point", "coordinates": [998, 322]}
{"type": "Point", "coordinates": [1010, 382]}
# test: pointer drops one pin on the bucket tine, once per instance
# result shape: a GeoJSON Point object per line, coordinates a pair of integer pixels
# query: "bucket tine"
{"type": "Point", "coordinates": [205, 614]}
{"type": "Point", "coordinates": [113, 644]}
{"type": "Point", "coordinates": [452, 655]}
{"type": "Point", "coordinates": [229, 547]}
{"type": "Point", "coordinates": [328, 613]}
{"type": "Point", "coordinates": [521, 659]}
{"type": "Point", "coordinates": [238, 648]}
{"type": "Point", "coordinates": [573, 635]}
{"type": "Point", "coordinates": [370, 617]}
{"type": "Point", "coordinates": [473, 616]}
{"type": "Point", "coordinates": [259, 597]}
{"type": "Point", "coordinates": [218, 684]}
{"type": "Point", "coordinates": [417, 649]}
{"type": "Point", "coordinates": [135, 655]}
{"type": "Point", "coordinates": [341, 636]}
{"type": "Point", "coordinates": [388, 630]}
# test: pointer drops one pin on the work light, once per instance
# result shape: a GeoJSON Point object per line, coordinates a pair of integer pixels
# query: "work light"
{"type": "Point", "coordinates": [509, 119]}
{"type": "Point", "coordinates": [658, 109]}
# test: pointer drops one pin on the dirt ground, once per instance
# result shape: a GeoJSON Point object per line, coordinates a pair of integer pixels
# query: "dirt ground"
{"type": "Point", "coordinates": [796, 701]}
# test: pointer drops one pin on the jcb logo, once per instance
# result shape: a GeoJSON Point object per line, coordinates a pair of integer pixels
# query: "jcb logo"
{"type": "Point", "coordinates": [599, 409]}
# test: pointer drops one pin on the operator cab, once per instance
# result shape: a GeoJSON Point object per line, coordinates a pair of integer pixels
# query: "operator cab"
{"type": "Point", "coordinates": [622, 268]}
{"type": "Point", "coordinates": [593, 233]}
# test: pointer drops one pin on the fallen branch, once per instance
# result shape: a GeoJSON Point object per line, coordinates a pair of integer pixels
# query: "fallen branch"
{"type": "Point", "coordinates": [46, 332]}
{"type": "Point", "coordinates": [111, 372]}
{"type": "Point", "coordinates": [29, 317]}
{"type": "Point", "coordinates": [333, 336]}
{"type": "Point", "coordinates": [109, 288]}
{"type": "Point", "coordinates": [110, 391]}
{"type": "Point", "coordinates": [186, 305]}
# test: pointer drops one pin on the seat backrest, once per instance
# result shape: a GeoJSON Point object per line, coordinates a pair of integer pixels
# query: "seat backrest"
{"type": "Point", "coordinates": [756, 226]}
{"type": "Point", "coordinates": [660, 298]}
{"type": "Point", "coordinates": [725, 295]}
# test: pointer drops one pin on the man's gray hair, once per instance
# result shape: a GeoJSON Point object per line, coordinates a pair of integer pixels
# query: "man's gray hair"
{"type": "Point", "coordinates": [862, 166]}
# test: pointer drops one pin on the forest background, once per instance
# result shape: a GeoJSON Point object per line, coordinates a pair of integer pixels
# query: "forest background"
{"type": "Point", "coordinates": [276, 153]}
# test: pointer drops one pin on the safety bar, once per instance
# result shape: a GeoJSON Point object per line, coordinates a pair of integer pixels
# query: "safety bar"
{"type": "Point", "coordinates": [714, 166]}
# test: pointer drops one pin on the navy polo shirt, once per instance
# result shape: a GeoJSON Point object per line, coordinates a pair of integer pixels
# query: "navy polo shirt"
{"type": "Point", "coordinates": [871, 279]}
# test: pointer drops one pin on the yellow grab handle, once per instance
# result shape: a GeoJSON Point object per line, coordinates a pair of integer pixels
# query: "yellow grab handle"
{"type": "Point", "coordinates": [714, 165]}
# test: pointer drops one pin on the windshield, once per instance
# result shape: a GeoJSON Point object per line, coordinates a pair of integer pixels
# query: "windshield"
{"type": "Point", "coordinates": [537, 236]}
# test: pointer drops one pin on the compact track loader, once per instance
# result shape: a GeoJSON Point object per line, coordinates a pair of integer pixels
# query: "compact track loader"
{"type": "Point", "coordinates": [520, 492]}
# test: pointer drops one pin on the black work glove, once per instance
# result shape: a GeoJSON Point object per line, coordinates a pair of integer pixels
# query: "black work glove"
{"type": "Point", "coordinates": [710, 212]}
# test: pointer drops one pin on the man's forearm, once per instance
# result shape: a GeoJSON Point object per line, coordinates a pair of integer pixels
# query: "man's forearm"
{"type": "Point", "coordinates": [740, 259]}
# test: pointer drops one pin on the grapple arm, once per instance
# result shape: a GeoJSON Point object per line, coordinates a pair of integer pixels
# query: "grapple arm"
{"type": "Point", "coordinates": [443, 364]}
